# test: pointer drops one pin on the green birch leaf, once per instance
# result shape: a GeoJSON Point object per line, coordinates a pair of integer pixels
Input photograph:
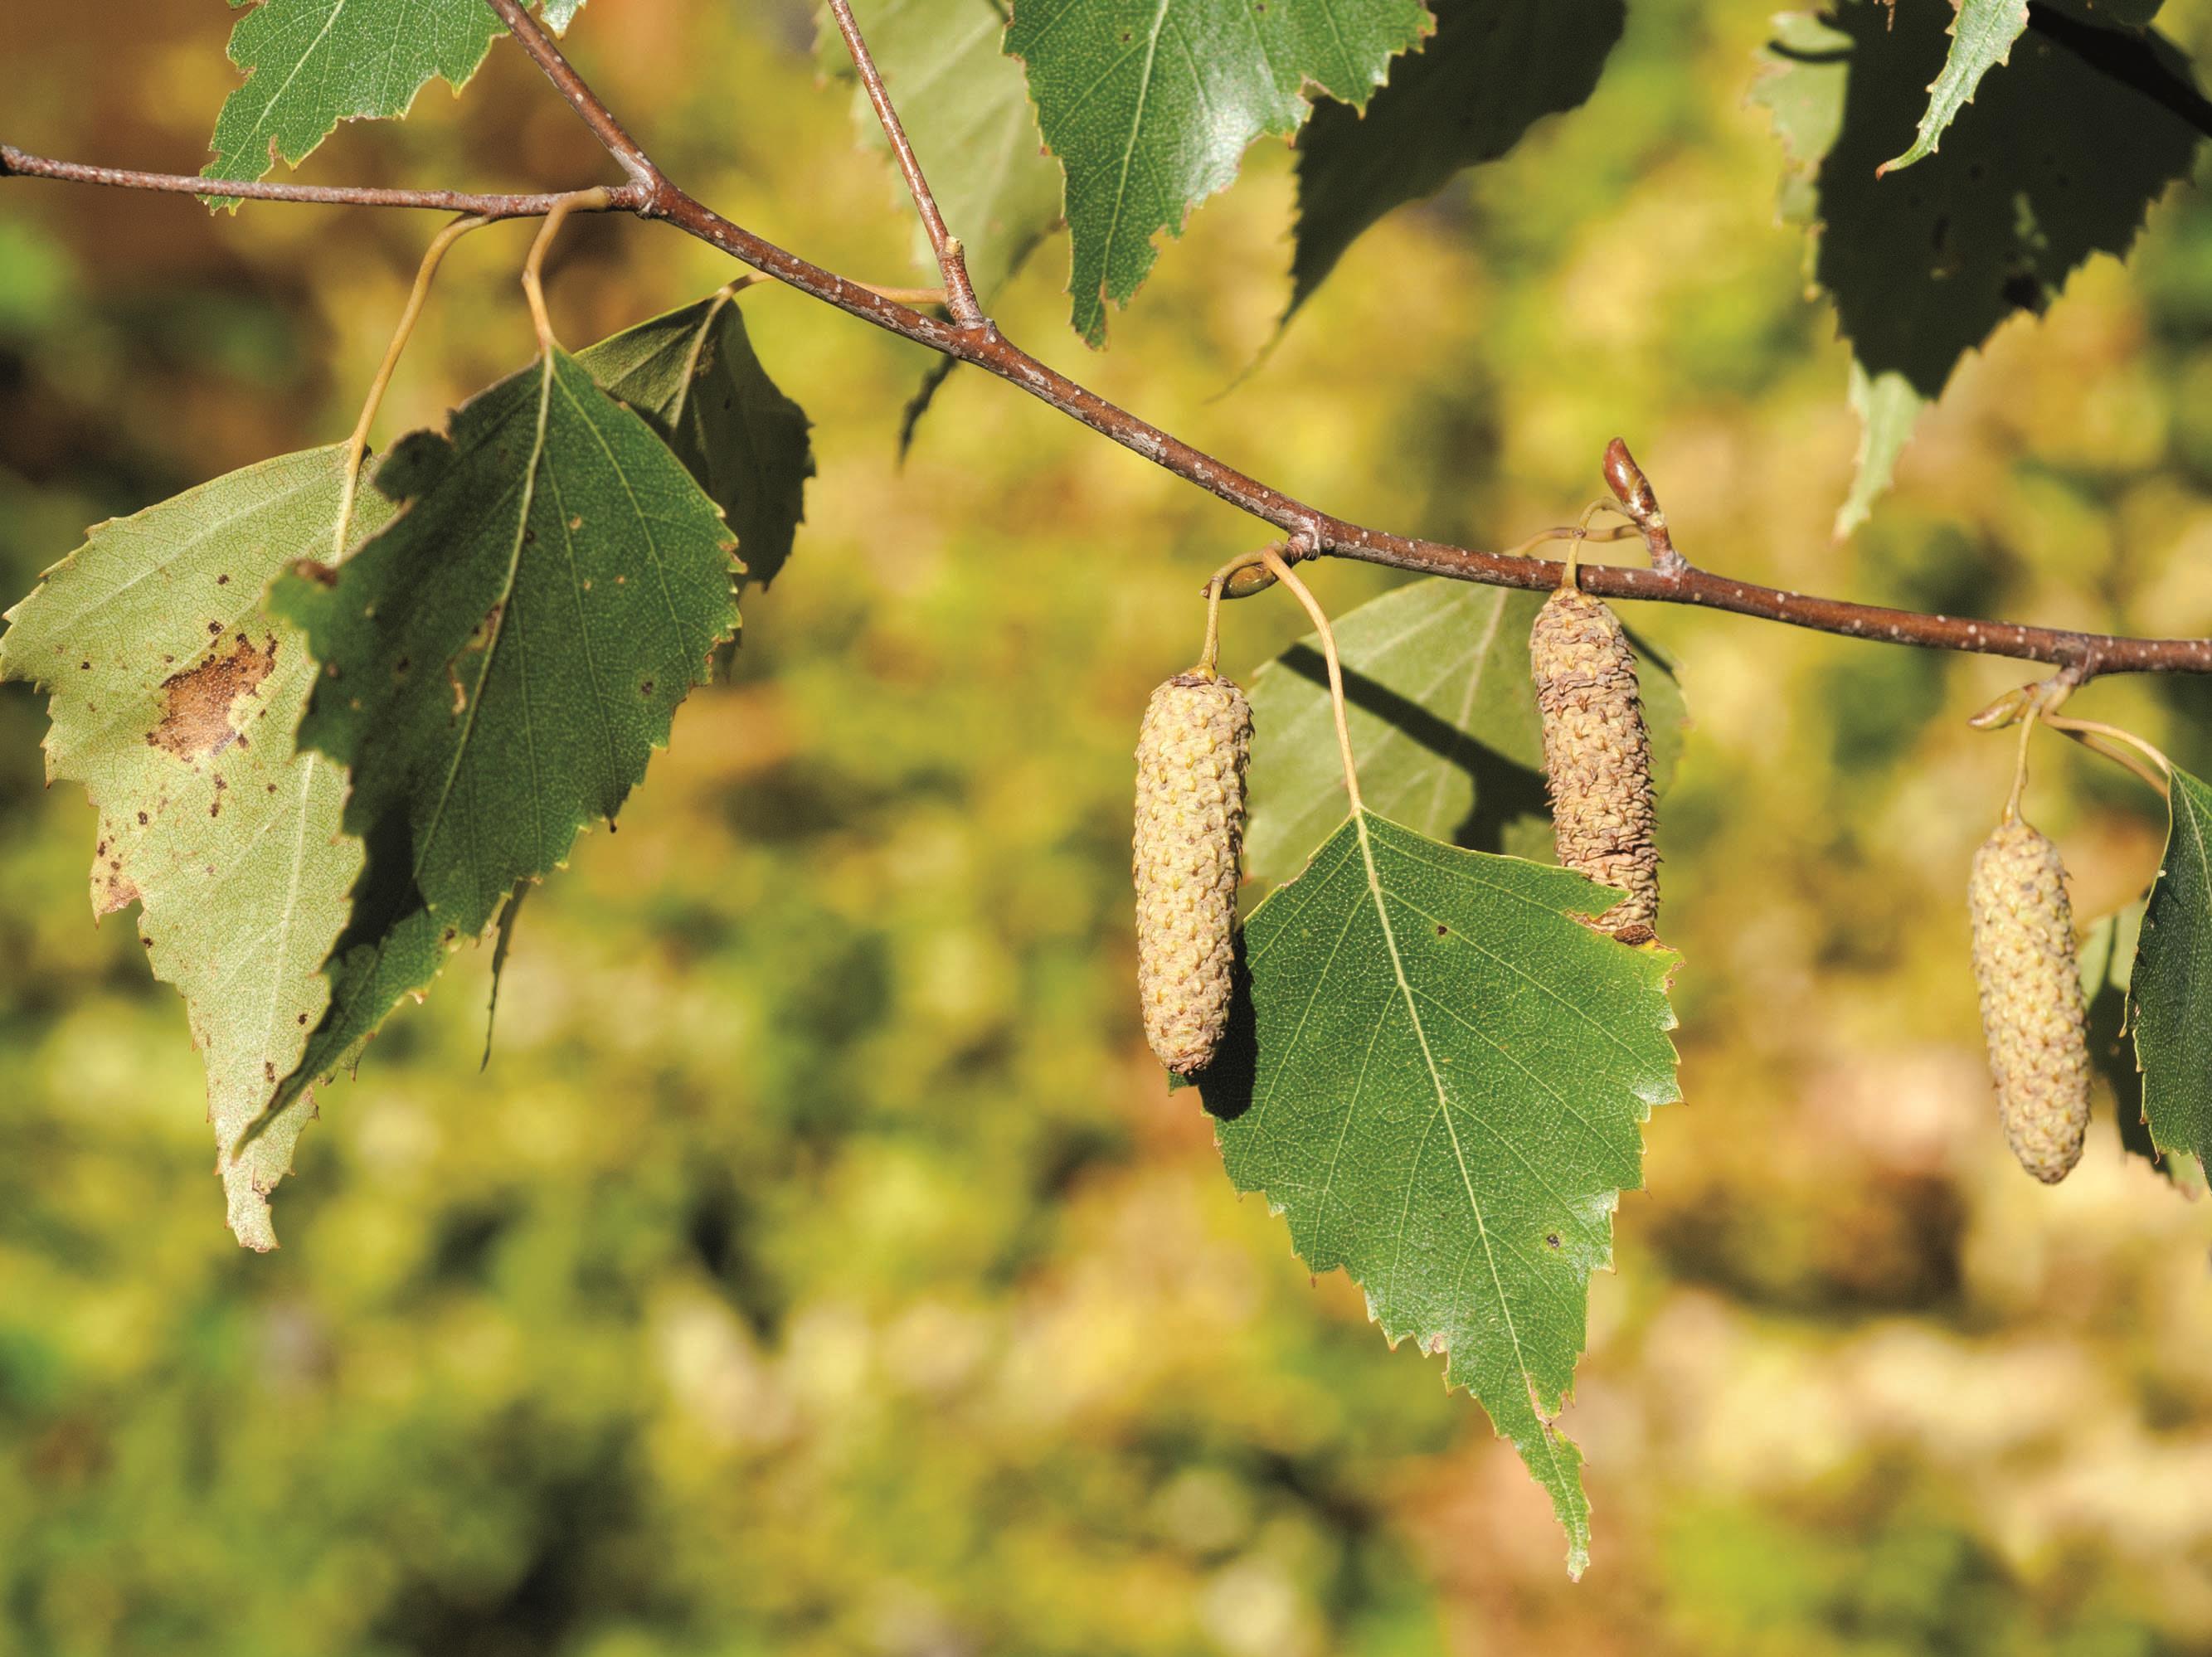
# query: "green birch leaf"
{"type": "Point", "coordinates": [2108, 956]}
{"type": "Point", "coordinates": [1493, 70]}
{"type": "Point", "coordinates": [174, 697]}
{"type": "Point", "coordinates": [694, 378]}
{"type": "Point", "coordinates": [2170, 994]}
{"type": "Point", "coordinates": [1803, 70]}
{"type": "Point", "coordinates": [1923, 266]}
{"type": "Point", "coordinates": [1443, 723]}
{"type": "Point", "coordinates": [1150, 104]}
{"type": "Point", "coordinates": [1981, 33]}
{"type": "Point", "coordinates": [311, 64]}
{"type": "Point", "coordinates": [2110, 14]}
{"type": "Point", "coordinates": [1888, 409]}
{"type": "Point", "coordinates": [965, 106]}
{"type": "Point", "coordinates": [499, 663]}
{"type": "Point", "coordinates": [1439, 1078]}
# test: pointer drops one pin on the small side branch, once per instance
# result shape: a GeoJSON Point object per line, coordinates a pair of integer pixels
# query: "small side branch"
{"type": "Point", "coordinates": [951, 259]}
{"type": "Point", "coordinates": [15, 163]}
{"type": "Point", "coordinates": [533, 39]}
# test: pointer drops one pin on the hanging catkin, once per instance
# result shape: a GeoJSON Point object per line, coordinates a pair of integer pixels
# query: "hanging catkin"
{"type": "Point", "coordinates": [1190, 832]}
{"type": "Point", "coordinates": [2031, 991]}
{"type": "Point", "coordinates": [1598, 756]}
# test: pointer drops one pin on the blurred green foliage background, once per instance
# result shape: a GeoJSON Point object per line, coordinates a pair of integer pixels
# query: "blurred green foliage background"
{"type": "Point", "coordinates": [822, 1266]}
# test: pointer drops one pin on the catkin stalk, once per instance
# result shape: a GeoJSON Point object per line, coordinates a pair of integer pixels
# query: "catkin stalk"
{"type": "Point", "coordinates": [2030, 993]}
{"type": "Point", "coordinates": [1598, 756]}
{"type": "Point", "coordinates": [1190, 830]}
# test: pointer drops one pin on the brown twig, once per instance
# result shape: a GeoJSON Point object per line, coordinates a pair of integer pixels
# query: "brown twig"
{"type": "Point", "coordinates": [627, 198]}
{"type": "Point", "coordinates": [533, 39]}
{"type": "Point", "coordinates": [990, 350]}
{"type": "Point", "coordinates": [951, 259]}
{"type": "Point", "coordinates": [2081, 656]}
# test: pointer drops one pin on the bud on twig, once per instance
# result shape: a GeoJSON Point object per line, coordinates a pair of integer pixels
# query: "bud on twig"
{"type": "Point", "coordinates": [1190, 832]}
{"type": "Point", "coordinates": [1598, 756]}
{"type": "Point", "coordinates": [2030, 991]}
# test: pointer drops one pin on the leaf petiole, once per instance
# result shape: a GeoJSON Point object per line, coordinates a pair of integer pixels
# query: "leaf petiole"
{"type": "Point", "coordinates": [357, 444]}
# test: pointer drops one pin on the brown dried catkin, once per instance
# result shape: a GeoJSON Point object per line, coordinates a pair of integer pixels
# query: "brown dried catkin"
{"type": "Point", "coordinates": [2030, 991]}
{"type": "Point", "coordinates": [1598, 756]}
{"type": "Point", "coordinates": [1190, 832]}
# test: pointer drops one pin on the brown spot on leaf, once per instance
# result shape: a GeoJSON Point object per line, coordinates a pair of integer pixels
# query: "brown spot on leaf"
{"type": "Point", "coordinates": [113, 889]}
{"type": "Point", "coordinates": [195, 716]}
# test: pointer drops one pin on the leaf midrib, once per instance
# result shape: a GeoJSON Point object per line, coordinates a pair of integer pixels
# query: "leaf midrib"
{"type": "Point", "coordinates": [1459, 1154]}
{"type": "Point", "coordinates": [529, 496]}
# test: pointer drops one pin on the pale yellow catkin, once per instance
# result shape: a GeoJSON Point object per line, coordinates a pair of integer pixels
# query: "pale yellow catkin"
{"type": "Point", "coordinates": [1190, 830]}
{"type": "Point", "coordinates": [1598, 756]}
{"type": "Point", "coordinates": [2031, 994]}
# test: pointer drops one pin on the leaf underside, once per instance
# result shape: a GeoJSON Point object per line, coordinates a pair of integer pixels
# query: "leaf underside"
{"type": "Point", "coordinates": [1437, 1074]}
{"type": "Point", "coordinates": [1923, 265]}
{"type": "Point", "coordinates": [498, 665]}
{"type": "Point", "coordinates": [175, 696]}
{"type": "Point", "coordinates": [694, 378]}
{"type": "Point", "coordinates": [2170, 991]}
{"type": "Point", "coordinates": [2108, 954]}
{"type": "Point", "coordinates": [1982, 35]}
{"type": "Point", "coordinates": [311, 64]}
{"type": "Point", "coordinates": [1151, 105]}
{"type": "Point", "coordinates": [1443, 724]}
{"type": "Point", "coordinates": [1493, 70]}
{"type": "Point", "coordinates": [583, 547]}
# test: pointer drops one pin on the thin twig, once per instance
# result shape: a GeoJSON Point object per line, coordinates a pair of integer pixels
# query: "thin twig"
{"type": "Point", "coordinates": [2081, 656]}
{"type": "Point", "coordinates": [605, 128]}
{"type": "Point", "coordinates": [17, 163]}
{"type": "Point", "coordinates": [990, 350]}
{"type": "Point", "coordinates": [951, 259]}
